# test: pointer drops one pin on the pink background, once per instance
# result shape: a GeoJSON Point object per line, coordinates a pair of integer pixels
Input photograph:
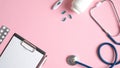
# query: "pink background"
{"type": "Point", "coordinates": [35, 21]}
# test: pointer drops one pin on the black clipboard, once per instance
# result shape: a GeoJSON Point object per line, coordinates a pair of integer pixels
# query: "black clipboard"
{"type": "Point", "coordinates": [20, 53]}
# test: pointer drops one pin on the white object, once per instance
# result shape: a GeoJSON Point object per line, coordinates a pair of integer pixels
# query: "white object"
{"type": "Point", "coordinates": [57, 4]}
{"type": "Point", "coordinates": [79, 6]}
{"type": "Point", "coordinates": [20, 53]}
{"type": "Point", "coordinates": [3, 33]}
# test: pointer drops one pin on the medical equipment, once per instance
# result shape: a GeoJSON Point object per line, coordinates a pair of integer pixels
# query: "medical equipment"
{"type": "Point", "coordinates": [20, 53]}
{"type": "Point", "coordinates": [79, 6]}
{"type": "Point", "coordinates": [3, 33]}
{"type": "Point", "coordinates": [57, 4]}
{"type": "Point", "coordinates": [73, 60]}
{"type": "Point", "coordinates": [115, 62]}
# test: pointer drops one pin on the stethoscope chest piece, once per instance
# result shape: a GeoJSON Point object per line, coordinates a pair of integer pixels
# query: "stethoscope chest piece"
{"type": "Point", "coordinates": [71, 60]}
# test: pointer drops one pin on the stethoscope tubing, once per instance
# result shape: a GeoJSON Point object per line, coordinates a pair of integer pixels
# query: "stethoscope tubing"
{"type": "Point", "coordinates": [115, 42]}
{"type": "Point", "coordinates": [77, 62]}
{"type": "Point", "coordinates": [115, 54]}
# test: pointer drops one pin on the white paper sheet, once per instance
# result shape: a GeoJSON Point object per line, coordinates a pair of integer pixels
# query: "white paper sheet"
{"type": "Point", "coordinates": [16, 56]}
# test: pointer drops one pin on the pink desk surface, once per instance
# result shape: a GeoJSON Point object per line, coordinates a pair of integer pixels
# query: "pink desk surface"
{"type": "Point", "coordinates": [35, 21]}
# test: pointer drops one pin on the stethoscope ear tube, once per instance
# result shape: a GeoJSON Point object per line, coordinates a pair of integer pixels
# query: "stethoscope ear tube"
{"type": "Point", "coordinates": [115, 14]}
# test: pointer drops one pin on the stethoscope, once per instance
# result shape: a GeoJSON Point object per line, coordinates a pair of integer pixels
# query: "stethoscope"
{"type": "Point", "coordinates": [71, 60]}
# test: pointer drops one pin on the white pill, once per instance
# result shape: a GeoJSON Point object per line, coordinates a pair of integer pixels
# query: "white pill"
{"type": "Point", "coordinates": [0, 40]}
{"type": "Point", "coordinates": [4, 27]}
{"type": "Point", "coordinates": [3, 37]}
{"type": "Point", "coordinates": [5, 33]}
{"type": "Point", "coordinates": [1, 31]}
{"type": "Point", "coordinates": [7, 30]}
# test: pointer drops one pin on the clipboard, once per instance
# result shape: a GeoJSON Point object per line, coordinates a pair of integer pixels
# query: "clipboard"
{"type": "Point", "coordinates": [20, 53]}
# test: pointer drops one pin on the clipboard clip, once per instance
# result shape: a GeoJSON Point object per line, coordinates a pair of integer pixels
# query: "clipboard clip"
{"type": "Point", "coordinates": [28, 46]}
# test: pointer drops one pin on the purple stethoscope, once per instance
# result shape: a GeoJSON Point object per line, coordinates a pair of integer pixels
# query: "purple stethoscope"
{"type": "Point", "coordinates": [71, 59]}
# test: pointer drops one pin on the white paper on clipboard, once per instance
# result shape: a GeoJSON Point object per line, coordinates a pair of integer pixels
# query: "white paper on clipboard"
{"type": "Point", "coordinates": [19, 53]}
